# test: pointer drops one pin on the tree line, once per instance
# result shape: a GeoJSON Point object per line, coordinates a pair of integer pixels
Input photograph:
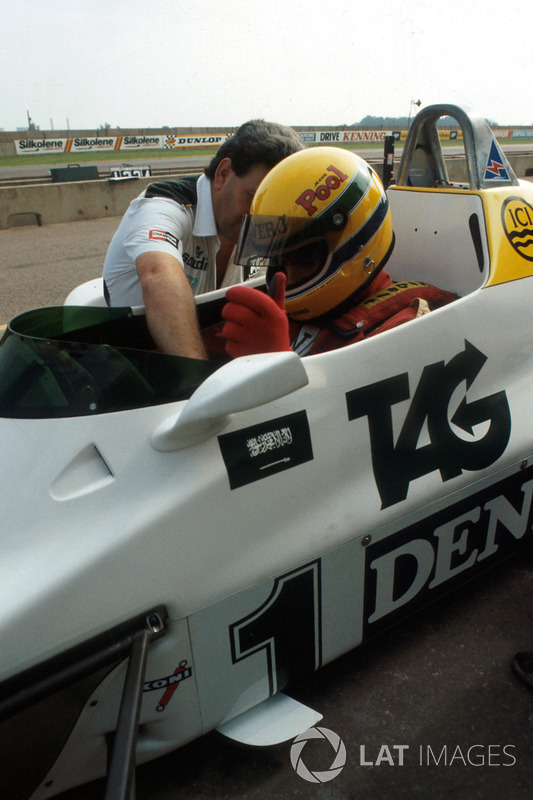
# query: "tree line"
{"type": "Point", "coordinates": [402, 122]}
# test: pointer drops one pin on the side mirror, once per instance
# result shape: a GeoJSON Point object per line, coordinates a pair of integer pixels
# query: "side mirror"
{"type": "Point", "coordinates": [241, 384]}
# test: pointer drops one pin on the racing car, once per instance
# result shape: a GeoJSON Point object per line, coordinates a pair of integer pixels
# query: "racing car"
{"type": "Point", "coordinates": [182, 538]}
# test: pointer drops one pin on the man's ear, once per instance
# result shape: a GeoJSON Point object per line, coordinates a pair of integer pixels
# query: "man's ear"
{"type": "Point", "coordinates": [223, 171]}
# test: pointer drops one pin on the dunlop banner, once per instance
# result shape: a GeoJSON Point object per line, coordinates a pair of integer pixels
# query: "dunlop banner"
{"type": "Point", "coordinates": [172, 141]}
{"type": "Point", "coordinates": [84, 144]}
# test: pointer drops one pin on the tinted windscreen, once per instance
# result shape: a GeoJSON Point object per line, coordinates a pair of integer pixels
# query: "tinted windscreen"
{"type": "Point", "coordinates": [72, 361]}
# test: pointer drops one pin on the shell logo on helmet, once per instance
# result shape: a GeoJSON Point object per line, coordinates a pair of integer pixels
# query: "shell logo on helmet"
{"type": "Point", "coordinates": [323, 190]}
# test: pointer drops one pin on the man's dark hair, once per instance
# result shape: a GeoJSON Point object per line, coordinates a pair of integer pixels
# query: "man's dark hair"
{"type": "Point", "coordinates": [256, 142]}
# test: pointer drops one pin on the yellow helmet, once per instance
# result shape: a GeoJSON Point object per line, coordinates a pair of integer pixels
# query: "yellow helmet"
{"type": "Point", "coordinates": [327, 207]}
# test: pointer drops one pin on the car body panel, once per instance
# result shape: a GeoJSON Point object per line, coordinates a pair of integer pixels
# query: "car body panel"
{"type": "Point", "coordinates": [289, 508]}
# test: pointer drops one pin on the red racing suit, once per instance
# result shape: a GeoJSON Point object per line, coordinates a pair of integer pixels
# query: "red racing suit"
{"type": "Point", "coordinates": [384, 305]}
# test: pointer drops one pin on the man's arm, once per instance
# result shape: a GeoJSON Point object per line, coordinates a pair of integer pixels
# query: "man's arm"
{"type": "Point", "coordinates": [169, 305]}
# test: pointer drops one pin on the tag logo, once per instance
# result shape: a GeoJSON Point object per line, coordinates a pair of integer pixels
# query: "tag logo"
{"type": "Point", "coordinates": [453, 445]}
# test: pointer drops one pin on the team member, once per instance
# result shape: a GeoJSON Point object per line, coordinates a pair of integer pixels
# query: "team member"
{"type": "Point", "coordinates": [177, 237]}
{"type": "Point", "coordinates": [321, 224]}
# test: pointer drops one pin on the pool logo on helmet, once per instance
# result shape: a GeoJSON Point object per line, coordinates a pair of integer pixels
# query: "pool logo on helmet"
{"type": "Point", "coordinates": [323, 190]}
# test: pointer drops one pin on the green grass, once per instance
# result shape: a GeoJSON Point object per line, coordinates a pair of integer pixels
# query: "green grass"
{"type": "Point", "coordinates": [124, 157]}
{"type": "Point", "coordinates": [119, 157]}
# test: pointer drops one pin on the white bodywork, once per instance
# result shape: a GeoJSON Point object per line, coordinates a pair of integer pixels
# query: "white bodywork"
{"type": "Point", "coordinates": [286, 511]}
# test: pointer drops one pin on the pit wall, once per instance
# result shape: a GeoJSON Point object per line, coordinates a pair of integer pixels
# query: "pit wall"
{"type": "Point", "coordinates": [45, 204]}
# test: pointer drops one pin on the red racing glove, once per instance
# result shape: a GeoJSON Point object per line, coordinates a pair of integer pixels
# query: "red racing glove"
{"type": "Point", "coordinates": [255, 322]}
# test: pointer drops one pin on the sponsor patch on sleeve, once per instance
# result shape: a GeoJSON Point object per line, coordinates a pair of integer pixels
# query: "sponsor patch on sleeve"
{"type": "Point", "coordinates": [164, 236]}
{"type": "Point", "coordinates": [262, 450]}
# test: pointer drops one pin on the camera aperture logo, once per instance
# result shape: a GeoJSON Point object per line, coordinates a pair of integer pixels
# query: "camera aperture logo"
{"type": "Point", "coordinates": [337, 764]}
{"type": "Point", "coordinates": [474, 755]}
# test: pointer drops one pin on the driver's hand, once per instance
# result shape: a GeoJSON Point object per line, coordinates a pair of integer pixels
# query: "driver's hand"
{"type": "Point", "coordinates": [255, 322]}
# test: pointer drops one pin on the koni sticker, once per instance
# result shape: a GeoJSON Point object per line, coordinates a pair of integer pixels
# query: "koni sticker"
{"type": "Point", "coordinates": [169, 684]}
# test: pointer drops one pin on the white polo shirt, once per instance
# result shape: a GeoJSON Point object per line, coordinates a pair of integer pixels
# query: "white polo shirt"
{"type": "Point", "coordinates": [176, 218]}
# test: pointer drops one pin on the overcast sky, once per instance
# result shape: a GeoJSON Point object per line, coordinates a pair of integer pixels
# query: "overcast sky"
{"type": "Point", "coordinates": [148, 63]}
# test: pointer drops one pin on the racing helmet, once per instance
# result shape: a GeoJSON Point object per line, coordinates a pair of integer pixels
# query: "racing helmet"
{"type": "Point", "coordinates": [323, 208]}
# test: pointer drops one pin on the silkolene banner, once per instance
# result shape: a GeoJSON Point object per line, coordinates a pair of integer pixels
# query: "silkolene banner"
{"type": "Point", "coordinates": [171, 141]}
{"type": "Point", "coordinates": [84, 144]}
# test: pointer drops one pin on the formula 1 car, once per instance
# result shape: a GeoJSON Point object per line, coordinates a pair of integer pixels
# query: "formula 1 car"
{"type": "Point", "coordinates": [180, 539]}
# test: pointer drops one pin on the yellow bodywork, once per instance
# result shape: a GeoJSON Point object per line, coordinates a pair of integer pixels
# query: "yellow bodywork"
{"type": "Point", "coordinates": [509, 221]}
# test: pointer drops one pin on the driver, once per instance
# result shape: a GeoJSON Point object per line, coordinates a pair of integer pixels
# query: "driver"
{"type": "Point", "coordinates": [320, 223]}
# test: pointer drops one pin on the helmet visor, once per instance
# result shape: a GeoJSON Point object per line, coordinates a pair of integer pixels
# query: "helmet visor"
{"type": "Point", "coordinates": [267, 240]}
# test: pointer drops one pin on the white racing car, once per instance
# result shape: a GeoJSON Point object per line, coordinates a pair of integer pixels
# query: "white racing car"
{"type": "Point", "coordinates": [182, 538]}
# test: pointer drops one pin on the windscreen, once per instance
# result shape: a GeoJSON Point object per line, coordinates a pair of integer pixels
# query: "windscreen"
{"type": "Point", "coordinates": [70, 361]}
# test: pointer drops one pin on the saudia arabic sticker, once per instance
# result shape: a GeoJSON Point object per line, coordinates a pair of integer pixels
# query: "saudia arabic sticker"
{"type": "Point", "coordinates": [254, 453]}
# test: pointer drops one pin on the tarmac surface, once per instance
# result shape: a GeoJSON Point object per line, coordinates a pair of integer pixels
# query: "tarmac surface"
{"type": "Point", "coordinates": [40, 265]}
{"type": "Point", "coordinates": [435, 696]}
